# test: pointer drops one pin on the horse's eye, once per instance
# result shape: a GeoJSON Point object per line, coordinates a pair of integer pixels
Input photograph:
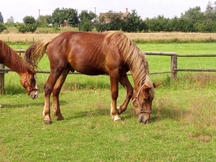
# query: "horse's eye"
{"type": "Point", "coordinates": [146, 99]}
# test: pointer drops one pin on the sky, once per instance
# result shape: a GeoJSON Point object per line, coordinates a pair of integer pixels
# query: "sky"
{"type": "Point", "coordinates": [18, 9]}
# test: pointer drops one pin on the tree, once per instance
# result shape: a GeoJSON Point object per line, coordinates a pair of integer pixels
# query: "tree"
{"type": "Point", "coordinates": [2, 27]}
{"type": "Point", "coordinates": [194, 16]}
{"type": "Point", "coordinates": [68, 15]}
{"type": "Point", "coordinates": [210, 13]}
{"type": "Point", "coordinates": [1, 18]}
{"type": "Point", "coordinates": [86, 20]}
{"type": "Point", "coordinates": [10, 20]}
{"type": "Point", "coordinates": [85, 25]}
{"type": "Point", "coordinates": [101, 25]}
{"type": "Point", "coordinates": [208, 25]}
{"type": "Point", "coordinates": [110, 21]}
{"type": "Point", "coordinates": [44, 20]}
{"type": "Point", "coordinates": [133, 23]}
{"type": "Point", "coordinates": [27, 20]}
{"type": "Point", "coordinates": [28, 26]}
{"type": "Point", "coordinates": [89, 15]}
{"type": "Point", "coordinates": [209, 7]}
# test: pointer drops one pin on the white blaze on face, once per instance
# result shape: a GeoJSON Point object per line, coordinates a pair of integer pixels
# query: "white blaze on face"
{"type": "Point", "coordinates": [36, 87]}
{"type": "Point", "coordinates": [34, 93]}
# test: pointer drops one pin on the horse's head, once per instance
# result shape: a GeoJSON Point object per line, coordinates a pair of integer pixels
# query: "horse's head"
{"type": "Point", "coordinates": [142, 101]}
{"type": "Point", "coordinates": [28, 81]}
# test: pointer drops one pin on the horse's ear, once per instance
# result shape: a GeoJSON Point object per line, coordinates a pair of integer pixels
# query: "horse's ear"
{"type": "Point", "coordinates": [30, 71]}
{"type": "Point", "coordinates": [146, 87]}
{"type": "Point", "coordinates": [157, 84]}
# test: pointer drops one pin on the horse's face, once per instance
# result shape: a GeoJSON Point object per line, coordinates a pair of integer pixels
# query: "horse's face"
{"type": "Point", "coordinates": [142, 101]}
{"type": "Point", "coordinates": [28, 81]}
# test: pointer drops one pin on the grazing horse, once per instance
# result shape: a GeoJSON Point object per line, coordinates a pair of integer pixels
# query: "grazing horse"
{"type": "Point", "coordinates": [110, 53]}
{"type": "Point", "coordinates": [26, 71]}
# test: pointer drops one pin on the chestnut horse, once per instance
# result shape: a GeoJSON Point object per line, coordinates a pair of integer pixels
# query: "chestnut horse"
{"type": "Point", "coordinates": [110, 53]}
{"type": "Point", "coordinates": [11, 59]}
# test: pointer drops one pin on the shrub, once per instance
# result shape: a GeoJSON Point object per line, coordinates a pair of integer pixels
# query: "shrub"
{"type": "Point", "coordinates": [27, 28]}
{"type": "Point", "coordinates": [2, 27]}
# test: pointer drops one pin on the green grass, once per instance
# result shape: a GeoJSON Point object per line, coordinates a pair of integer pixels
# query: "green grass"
{"type": "Point", "coordinates": [182, 128]}
{"type": "Point", "coordinates": [162, 63]}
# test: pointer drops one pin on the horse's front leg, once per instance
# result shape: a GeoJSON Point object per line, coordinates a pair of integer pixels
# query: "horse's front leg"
{"type": "Point", "coordinates": [46, 110]}
{"type": "Point", "coordinates": [114, 95]}
{"type": "Point", "coordinates": [56, 91]}
{"type": "Point", "coordinates": [129, 92]}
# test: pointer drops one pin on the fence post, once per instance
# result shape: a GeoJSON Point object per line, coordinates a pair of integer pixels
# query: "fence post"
{"type": "Point", "coordinates": [174, 66]}
{"type": "Point", "coordinates": [1, 79]}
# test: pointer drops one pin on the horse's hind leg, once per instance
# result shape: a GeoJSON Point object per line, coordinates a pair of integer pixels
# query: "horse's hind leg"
{"type": "Point", "coordinates": [56, 91]}
{"type": "Point", "coordinates": [129, 90]}
{"type": "Point", "coordinates": [48, 89]}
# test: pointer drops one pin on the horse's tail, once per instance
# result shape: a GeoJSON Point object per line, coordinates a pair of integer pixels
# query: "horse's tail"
{"type": "Point", "coordinates": [36, 51]}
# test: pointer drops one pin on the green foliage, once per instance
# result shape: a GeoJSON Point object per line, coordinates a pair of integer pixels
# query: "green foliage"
{"type": "Point", "coordinates": [86, 20]}
{"type": "Point", "coordinates": [65, 15]}
{"type": "Point", "coordinates": [87, 15]}
{"type": "Point", "coordinates": [2, 27]}
{"type": "Point", "coordinates": [85, 25]}
{"type": "Point", "coordinates": [29, 20]}
{"type": "Point", "coordinates": [101, 25]}
{"type": "Point", "coordinates": [133, 23]}
{"type": "Point", "coordinates": [44, 21]}
{"type": "Point", "coordinates": [9, 24]}
{"type": "Point", "coordinates": [22, 28]}
{"type": "Point", "coordinates": [1, 18]}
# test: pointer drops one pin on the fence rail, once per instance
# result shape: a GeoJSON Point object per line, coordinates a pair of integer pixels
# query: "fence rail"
{"type": "Point", "coordinates": [173, 65]}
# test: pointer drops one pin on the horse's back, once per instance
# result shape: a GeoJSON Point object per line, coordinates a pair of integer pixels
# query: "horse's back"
{"type": "Point", "coordinates": [86, 52]}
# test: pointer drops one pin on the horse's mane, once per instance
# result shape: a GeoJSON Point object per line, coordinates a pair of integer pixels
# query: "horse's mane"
{"type": "Point", "coordinates": [133, 56]}
{"type": "Point", "coordinates": [13, 60]}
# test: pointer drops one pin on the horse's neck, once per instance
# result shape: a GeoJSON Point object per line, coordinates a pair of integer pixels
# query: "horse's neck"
{"type": "Point", "coordinates": [16, 64]}
{"type": "Point", "coordinates": [139, 76]}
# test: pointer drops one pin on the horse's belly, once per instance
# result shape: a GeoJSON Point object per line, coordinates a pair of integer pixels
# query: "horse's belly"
{"type": "Point", "coordinates": [89, 69]}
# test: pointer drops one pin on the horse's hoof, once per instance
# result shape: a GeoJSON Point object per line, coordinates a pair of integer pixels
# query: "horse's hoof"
{"type": "Point", "coordinates": [116, 118]}
{"type": "Point", "coordinates": [48, 122]}
{"type": "Point", "coordinates": [59, 116]}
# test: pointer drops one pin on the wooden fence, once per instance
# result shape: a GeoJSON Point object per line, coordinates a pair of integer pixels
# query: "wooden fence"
{"type": "Point", "coordinates": [173, 65]}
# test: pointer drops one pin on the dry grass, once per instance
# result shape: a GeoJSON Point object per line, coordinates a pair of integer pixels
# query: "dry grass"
{"type": "Point", "coordinates": [25, 38]}
{"type": "Point", "coordinates": [147, 37]}
{"type": "Point", "coordinates": [172, 36]}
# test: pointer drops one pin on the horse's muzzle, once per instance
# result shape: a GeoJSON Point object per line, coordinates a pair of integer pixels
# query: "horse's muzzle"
{"type": "Point", "coordinates": [33, 94]}
{"type": "Point", "coordinates": [142, 119]}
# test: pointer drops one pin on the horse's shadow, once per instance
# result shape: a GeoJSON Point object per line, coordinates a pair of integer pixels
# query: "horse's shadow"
{"type": "Point", "coordinates": [158, 113]}
{"type": "Point", "coordinates": [20, 105]}
{"type": "Point", "coordinates": [25, 105]}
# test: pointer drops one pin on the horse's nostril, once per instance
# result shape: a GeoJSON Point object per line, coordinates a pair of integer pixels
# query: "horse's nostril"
{"type": "Point", "coordinates": [147, 121]}
{"type": "Point", "coordinates": [141, 118]}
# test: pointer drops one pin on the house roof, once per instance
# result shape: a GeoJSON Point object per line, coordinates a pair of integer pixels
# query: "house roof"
{"type": "Point", "coordinates": [107, 19]}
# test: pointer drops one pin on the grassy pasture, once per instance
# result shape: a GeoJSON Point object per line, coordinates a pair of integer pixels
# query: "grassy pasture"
{"type": "Point", "coordinates": [183, 120]}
